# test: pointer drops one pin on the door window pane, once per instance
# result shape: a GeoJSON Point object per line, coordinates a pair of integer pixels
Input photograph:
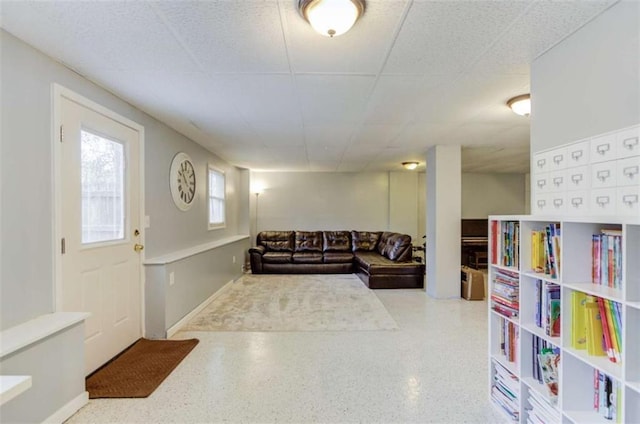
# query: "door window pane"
{"type": "Point", "coordinates": [102, 163]}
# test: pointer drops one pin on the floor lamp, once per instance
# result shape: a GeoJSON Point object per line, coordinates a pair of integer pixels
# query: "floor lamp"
{"type": "Point", "coordinates": [257, 193]}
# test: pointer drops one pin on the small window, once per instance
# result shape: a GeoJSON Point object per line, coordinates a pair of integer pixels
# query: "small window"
{"type": "Point", "coordinates": [216, 198]}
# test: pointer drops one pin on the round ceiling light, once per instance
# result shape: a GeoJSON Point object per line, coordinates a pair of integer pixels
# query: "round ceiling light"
{"type": "Point", "coordinates": [521, 105]}
{"type": "Point", "coordinates": [331, 17]}
{"type": "Point", "coordinates": [410, 165]}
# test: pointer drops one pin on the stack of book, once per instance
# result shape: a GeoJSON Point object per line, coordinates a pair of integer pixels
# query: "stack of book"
{"type": "Point", "coordinates": [606, 253]}
{"type": "Point", "coordinates": [596, 326]}
{"type": "Point", "coordinates": [606, 396]}
{"type": "Point", "coordinates": [540, 411]}
{"type": "Point", "coordinates": [545, 251]}
{"type": "Point", "coordinates": [548, 307]}
{"type": "Point", "coordinates": [538, 346]}
{"type": "Point", "coordinates": [505, 391]}
{"type": "Point", "coordinates": [509, 334]}
{"type": "Point", "coordinates": [510, 243]}
{"type": "Point", "coordinates": [505, 293]}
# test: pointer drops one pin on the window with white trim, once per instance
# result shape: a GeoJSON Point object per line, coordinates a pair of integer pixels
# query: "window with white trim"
{"type": "Point", "coordinates": [216, 198]}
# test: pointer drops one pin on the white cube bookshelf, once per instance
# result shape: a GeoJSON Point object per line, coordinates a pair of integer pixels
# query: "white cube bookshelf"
{"type": "Point", "coordinates": [575, 402]}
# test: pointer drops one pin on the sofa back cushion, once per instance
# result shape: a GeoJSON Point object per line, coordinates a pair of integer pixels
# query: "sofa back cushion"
{"type": "Point", "coordinates": [308, 241]}
{"type": "Point", "coordinates": [383, 244]}
{"type": "Point", "coordinates": [399, 247]}
{"type": "Point", "coordinates": [364, 240]}
{"type": "Point", "coordinates": [276, 241]}
{"type": "Point", "coordinates": [336, 241]}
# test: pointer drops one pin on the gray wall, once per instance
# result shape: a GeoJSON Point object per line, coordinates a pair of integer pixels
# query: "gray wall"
{"type": "Point", "coordinates": [26, 285]}
{"type": "Point", "coordinates": [493, 194]}
{"type": "Point", "coordinates": [56, 378]}
{"type": "Point", "coordinates": [26, 263]}
{"type": "Point", "coordinates": [375, 200]}
{"type": "Point", "coordinates": [322, 200]}
{"type": "Point", "coordinates": [196, 278]}
{"type": "Point", "coordinates": [589, 83]}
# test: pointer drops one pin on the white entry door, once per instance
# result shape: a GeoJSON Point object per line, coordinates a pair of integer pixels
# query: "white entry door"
{"type": "Point", "coordinates": [100, 233]}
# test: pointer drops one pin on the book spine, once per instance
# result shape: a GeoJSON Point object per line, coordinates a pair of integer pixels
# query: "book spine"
{"type": "Point", "coordinates": [608, 347]}
{"type": "Point", "coordinates": [617, 320]}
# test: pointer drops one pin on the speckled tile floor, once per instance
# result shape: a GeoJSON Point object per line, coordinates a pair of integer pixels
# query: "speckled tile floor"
{"type": "Point", "coordinates": [432, 370]}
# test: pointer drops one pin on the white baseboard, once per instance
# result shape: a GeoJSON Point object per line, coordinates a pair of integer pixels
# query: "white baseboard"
{"type": "Point", "coordinates": [178, 325]}
{"type": "Point", "coordinates": [64, 413]}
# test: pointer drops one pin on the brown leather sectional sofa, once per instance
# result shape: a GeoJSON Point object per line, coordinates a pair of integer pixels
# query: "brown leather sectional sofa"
{"type": "Point", "coordinates": [382, 260]}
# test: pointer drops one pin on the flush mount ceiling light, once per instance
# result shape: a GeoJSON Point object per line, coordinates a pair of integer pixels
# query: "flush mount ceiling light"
{"type": "Point", "coordinates": [331, 17]}
{"type": "Point", "coordinates": [410, 165]}
{"type": "Point", "coordinates": [521, 104]}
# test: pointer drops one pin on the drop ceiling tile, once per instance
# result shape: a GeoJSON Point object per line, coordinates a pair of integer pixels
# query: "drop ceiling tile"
{"type": "Point", "coordinates": [475, 134]}
{"type": "Point", "coordinates": [323, 166]}
{"type": "Point", "coordinates": [361, 154]}
{"type": "Point", "coordinates": [333, 99]}
{"type": "Point", "coordinates": [52, 28]}
{"type": "Point", "coordinates": [514, 52]}
{"type": "Point", "coordinates": [278, 135]}
{"type": "Point", "coordinates": [123, 35]}
{"type": "Point", "coordinates": [325, 154]}
{"type": "Point", "coordinates": [395, 97]}
{"type": "Point", "coordinates": [376, 135]}
{"type": "Point", "coordinates": [468, 96]}
{"type": "Point", "coordinates": [329, 134]}
{"type": "Point", "coordinates": [263, 98]}
{"type": "Point", "coordinates": [496, 159]}
{"type": "Point", "coordinates": [444, 37]}
{"type": "Point", "coordinates": [362, 50]}
{"type": "Point", "coordinates": [419, 135]}
{"type": "Point", "coordinates": [351, 166]}
{"type": "Point", "coordinates": [229, 36]}
{"type": "Point", "coordinates": [192, 97]}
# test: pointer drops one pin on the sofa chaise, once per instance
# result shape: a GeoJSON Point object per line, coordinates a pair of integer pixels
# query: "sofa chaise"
{"type": "Point", "coordinates": [382, 260]}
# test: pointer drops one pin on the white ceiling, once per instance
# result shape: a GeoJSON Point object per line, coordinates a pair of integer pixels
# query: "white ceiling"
{"type": "Point", "coordinates": [251, 81]}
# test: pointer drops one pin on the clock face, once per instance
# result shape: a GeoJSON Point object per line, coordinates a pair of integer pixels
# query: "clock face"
{"type": "Point", "coordinates": [182, 181]}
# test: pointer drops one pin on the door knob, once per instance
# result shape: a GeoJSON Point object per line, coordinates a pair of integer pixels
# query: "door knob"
{"type": "Point", "coordinates": [138, 247]}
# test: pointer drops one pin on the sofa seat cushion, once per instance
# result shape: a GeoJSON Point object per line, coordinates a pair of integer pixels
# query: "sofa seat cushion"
{"type": "Point", "coordinates": [277, 258]}
{"type": "Point", "coordinates": [308, 241]}
{"type": "Point", "coordinates": [307, 258]}
{"type": "Point", "coordinates": [365, 240]}
{"type": "Point", "coordinates": [336, 241]}
{"type": "Point", "coordinates": [375, 264]}
{"type": "Point", "coordinates": [338, 257]}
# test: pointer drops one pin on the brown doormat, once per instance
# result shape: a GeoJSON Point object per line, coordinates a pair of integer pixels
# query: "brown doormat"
{"type": "Point", "coordinates": [139, 370]}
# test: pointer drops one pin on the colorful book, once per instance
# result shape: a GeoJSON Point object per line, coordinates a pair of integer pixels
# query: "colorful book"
{"type": "Point", "coordinates": [578, 323]}
{"type": "Point", "coordinates": [606, 330]}
{"type": "Point", "coordinates": [594, 328]}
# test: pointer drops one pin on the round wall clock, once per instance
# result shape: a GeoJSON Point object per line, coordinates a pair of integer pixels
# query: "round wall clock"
{"type": "Point", "coordinates": [182, 181]}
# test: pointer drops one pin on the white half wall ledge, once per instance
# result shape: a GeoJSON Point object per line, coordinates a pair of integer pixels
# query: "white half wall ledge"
{"type": "Point", "coordinates": [12, 385]}
{"type": "Point", "coordinates": [32, 331]}
{"type": "Point", "coordinates": [192, 251]}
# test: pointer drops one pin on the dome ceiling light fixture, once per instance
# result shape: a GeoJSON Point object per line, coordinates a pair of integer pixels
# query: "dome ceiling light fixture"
{"type": "Point", "coordinates": [410, 165]}
{"type": "Point", "coordinates": [331, 17]}
{"type": "Point", "coordinates": [521, 105]}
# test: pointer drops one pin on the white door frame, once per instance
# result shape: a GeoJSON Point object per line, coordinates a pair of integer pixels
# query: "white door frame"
{"type": "Point", "coordinates": [58, 92]}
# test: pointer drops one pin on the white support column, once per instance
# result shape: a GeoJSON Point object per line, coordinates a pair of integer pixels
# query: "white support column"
{"type": "Point", "coordinates": [444, 211]}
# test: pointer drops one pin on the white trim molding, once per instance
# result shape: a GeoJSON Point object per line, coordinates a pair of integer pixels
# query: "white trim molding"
{"type": "Point", "coordinates": [64, 413]}
{"type": "Point", "coordinates": [178, 325]}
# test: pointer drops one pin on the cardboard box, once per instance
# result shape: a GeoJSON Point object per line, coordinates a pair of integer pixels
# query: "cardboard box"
{"type": "Point", "coordinates": [472, 284]}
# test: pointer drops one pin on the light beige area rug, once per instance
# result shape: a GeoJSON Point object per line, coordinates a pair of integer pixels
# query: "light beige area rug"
{"type": "Point", "coordinates": [337, 302]}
